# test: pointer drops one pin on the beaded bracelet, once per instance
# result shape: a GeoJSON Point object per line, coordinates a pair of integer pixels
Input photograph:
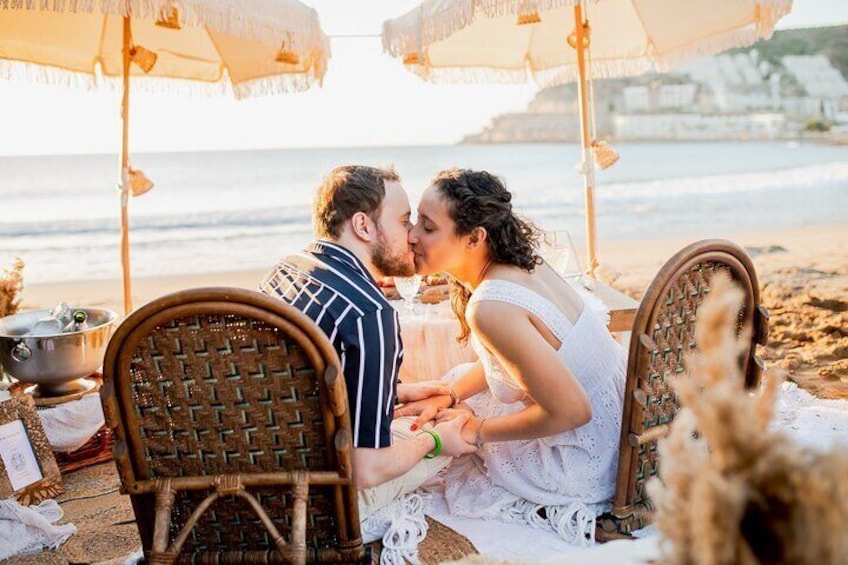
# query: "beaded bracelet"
{"type": "Point", "coordinates": [454, 396]}
{"type": "Point", "coordinates": [436, 450]}
{"type": "Point", "coordinates": [478, 441]}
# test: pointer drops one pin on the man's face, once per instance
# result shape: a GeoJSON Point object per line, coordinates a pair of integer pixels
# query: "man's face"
{"type": "Point", "coordinates": [391, 253]}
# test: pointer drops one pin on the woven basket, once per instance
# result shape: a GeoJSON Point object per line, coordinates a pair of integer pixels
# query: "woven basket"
{"type": "Point", "coordinates": [96, 450]}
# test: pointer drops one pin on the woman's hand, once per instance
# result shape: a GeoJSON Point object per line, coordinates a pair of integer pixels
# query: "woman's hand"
{"type": "Point", "coordinates": [419, 391]}
{"type": "Point", "coordinates": [425, 409]}
{"type": "Point", "coordinates": [471, 426]}
{"type": "Point", "coordinates": [451, 413]}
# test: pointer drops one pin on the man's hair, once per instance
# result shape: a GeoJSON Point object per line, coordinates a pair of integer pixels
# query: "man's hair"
{"type": "Point", "coordinates": [346, 191]}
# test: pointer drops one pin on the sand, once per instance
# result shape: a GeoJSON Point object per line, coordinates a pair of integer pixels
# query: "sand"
{"type": "Point", "coordinates": [803, 275]}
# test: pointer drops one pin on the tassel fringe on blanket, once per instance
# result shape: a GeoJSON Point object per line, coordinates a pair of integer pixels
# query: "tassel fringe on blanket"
{"type": "Point", "coordinates": [402, 526]}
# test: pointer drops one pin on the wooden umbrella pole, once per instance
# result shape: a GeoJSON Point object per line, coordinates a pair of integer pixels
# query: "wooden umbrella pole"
{"type": "Point", "coordinates": [581, 31]}
{"type": "Point", "coordinates": [125, 173]}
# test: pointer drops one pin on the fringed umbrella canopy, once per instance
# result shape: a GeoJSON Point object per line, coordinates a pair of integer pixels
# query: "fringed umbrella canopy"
{"type": "Point", "coordinates": [253, 46]}
{"type": "Point", "coordinates": [513, 40]}
{"type": "Point", "coordinates": [249, 46]}
{"type": "Point", "coordinates": [557, 41]}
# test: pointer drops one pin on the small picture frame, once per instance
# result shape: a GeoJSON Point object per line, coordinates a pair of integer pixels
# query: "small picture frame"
{"type": "Point", "coordinates": [28, 469]}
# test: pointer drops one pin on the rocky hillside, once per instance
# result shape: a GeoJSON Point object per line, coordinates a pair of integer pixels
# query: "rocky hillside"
{"type": "Point", "coordinates": [552, 115]}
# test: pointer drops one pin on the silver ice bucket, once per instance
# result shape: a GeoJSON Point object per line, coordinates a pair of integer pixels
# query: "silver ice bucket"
{"type": "Point", "coordinates": [54, 362]}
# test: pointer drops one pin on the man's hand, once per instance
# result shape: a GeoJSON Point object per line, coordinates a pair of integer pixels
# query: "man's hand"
{"type": "Point", "coordinates": [472, 423]}
{"type": "Point", "coordinates": [419, 391]}
{"type": "Point", "coordinates": [451, 434]}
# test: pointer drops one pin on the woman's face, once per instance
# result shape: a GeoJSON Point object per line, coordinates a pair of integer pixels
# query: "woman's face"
{"type": "Point", "coordinates": [436, 246]}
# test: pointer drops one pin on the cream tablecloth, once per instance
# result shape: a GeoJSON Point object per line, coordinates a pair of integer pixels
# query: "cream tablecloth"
{"type": "Point", "coordinates": [430, 348]}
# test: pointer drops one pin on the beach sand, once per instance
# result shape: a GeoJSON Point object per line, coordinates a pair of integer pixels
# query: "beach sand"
{"type": "Point", "coordinates": [803, 274]}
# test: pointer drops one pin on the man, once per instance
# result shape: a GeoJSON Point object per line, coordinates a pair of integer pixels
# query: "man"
{"type": "Point", "coordinates": [362, 221]}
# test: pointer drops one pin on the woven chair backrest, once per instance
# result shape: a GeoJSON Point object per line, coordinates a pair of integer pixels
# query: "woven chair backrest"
{"type": "Point", "coordinates": [228, 381]}
{"type": "Point", "coordinates": [663, 335]}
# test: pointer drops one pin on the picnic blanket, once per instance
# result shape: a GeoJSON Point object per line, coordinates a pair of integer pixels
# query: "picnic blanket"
{"type": "Point", "coordinates": [813, 422]}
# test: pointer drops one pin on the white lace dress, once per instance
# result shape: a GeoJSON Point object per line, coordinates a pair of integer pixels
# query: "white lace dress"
{"type": "Point", "coordinates": [572, 474]}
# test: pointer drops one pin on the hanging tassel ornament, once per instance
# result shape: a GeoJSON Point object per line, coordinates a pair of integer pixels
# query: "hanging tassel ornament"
{"type": "Point", "coordinates": [139, 183]}
{"type": "Point", "coordinates": [169, 17]}
{"type": "Point", "coordinates": [144, 58]}
{"type": "Point", "coordinates": [287, 55]}
{"type": "Point", "coordinates": [528, 14]}
{"type": "Point", "coordinates": [411, 59]}
{"type": "Point", "coordinates": [604, 155]}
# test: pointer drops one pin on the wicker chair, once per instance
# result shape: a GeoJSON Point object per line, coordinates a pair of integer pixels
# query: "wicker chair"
{"type": "Point", "coordinates": [232, 432]}
{"type": "Point", "coordinates": [663, 333]}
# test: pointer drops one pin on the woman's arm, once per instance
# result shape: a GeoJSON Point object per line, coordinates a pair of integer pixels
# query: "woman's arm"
{"type": "Point", "coordinates": [470, 382]}
{"type": "Point", "coordinates": [560, 402]}
{"type": "Point", "coordinates": [421, 390]}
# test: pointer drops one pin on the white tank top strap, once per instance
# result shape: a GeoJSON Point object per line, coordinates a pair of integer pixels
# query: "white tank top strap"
{"type": "Point", "coordinates": [521, 296]}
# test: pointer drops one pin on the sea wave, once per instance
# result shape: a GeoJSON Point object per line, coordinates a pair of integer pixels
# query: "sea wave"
{"type": "Point", "coordinates": [535, 202]}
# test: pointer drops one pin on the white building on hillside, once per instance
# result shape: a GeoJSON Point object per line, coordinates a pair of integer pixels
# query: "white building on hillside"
{"type": "Point", "coordinates": [826, 89]}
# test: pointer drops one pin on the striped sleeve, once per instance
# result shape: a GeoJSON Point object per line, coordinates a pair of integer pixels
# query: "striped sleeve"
{"type": "Point", "coordinates": [371, 357]}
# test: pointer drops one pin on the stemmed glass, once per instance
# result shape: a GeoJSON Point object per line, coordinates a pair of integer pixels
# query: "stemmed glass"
{"type": "Point", "coordinates": [558, 251]}
{"type": "Point", "coordinates": [408, 287]}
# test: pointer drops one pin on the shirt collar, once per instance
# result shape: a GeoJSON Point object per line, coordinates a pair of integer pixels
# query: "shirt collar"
{"type": "Point", "coordinates": [341, 253]}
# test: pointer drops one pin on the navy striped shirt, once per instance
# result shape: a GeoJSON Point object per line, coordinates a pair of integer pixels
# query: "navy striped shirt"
{"type": "Point", "coordinates": [332, 286]}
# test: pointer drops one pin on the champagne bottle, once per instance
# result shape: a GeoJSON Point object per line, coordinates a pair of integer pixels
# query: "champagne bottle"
{"type": "Point", "coordinates": [78, 322]}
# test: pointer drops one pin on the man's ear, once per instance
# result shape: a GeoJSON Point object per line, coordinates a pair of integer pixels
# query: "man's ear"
{"type": "Point", "coordinates": [478, 236]}
{"type": "Point", "coordinates": [363, 227]}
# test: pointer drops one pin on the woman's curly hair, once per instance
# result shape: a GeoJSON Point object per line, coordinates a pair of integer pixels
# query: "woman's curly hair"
{"type": "Point", "coordinates": [480, 199]}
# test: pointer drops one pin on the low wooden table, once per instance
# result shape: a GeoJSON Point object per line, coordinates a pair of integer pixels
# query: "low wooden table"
{"type": "Point", "coordinates": [622, 308]}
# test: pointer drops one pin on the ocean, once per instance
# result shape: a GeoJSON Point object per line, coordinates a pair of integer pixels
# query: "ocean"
{"type": "Point", "coordinates": [223, 211]}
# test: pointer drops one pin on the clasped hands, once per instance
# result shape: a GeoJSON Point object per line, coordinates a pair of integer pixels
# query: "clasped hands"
{"type": "Point", "coordinates": [430, 401]}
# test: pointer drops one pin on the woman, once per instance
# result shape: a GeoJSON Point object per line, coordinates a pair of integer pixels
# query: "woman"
{"type": "Point", "coordinates": [547, 391]}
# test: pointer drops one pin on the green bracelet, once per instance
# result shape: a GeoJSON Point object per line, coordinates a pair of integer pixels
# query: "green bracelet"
{"type": "Point", "coordinates": [436, 450]}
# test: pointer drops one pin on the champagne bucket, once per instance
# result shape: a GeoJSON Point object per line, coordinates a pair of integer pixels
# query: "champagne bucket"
{"type": "Point", "coordinates": [54, 362]}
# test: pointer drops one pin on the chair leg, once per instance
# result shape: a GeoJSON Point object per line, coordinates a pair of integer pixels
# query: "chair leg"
{"type": "Point", "coordinates": [165, 496]}
{"type": "Point", "coordinates": [298, 541]}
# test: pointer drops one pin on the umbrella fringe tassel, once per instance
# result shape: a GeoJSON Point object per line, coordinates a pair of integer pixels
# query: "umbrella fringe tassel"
{"type": "Point", "coordinates": [30, 72]}
{"type": "Point", "coordinates": [52, 76]}
{"type": "Point", "coordinates": [274, 25]}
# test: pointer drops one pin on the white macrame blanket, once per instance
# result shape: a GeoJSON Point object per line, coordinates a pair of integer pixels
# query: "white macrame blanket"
{"type": "Point", "coordinates": [30, 529]}
{"type": "Point", "coordinates": [811, 421]}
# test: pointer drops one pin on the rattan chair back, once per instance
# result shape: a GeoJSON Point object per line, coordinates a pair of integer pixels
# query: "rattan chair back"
{"type": "Point", "coordinates": [232, 431]}
{"type": "Point", "coordinates": [663, 334]}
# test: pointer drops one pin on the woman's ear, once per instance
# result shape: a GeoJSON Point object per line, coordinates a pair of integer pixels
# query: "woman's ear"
{"type": "Point", "coordinates": [478, 236]}
{"type": "Point", "coordinates": [363, 226]}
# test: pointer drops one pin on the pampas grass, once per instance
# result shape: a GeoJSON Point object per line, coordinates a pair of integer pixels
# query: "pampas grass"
{"type": "Point", "coordinates": [730, 488]}
{"type": "Point", "coordinates": [11, 285]}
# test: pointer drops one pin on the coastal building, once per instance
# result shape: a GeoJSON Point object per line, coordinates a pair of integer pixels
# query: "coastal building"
{"type": "Point", "coordinates": [727, 96]}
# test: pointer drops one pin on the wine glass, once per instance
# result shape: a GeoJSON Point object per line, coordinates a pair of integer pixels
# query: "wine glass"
{"type": "Point", "coordinates": [408, 287]}
{"type": "Point", "coordinates": [558, 252]}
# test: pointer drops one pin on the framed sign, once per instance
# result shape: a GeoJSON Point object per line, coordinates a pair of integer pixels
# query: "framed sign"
{"type": "Point", "coordinates": [28, 469]}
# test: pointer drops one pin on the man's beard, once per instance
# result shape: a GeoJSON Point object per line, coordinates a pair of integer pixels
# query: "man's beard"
{"type": "Point", "coordinates": [388, 262]}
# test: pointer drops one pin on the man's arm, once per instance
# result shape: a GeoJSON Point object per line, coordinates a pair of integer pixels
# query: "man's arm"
{"type": "Point", "coordinates": [375, 466]}
{"type": "Point", "coordinates": [369, 350]}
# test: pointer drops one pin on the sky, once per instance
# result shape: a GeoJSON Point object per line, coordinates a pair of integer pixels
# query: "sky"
{"type": "Point", "coordinates": [367, 99]}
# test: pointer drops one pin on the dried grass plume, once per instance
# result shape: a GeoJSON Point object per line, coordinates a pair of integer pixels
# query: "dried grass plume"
{"type": "Point", "coordinates": [730, 488]}
{"type": "Point", "coordinates": [11, 285]}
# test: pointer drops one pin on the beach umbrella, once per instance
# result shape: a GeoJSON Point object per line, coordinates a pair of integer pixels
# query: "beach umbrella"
{"type": "Point", "coordinates": [558, 41]}
{"type": "Point", "coordinates": [246, 47]}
